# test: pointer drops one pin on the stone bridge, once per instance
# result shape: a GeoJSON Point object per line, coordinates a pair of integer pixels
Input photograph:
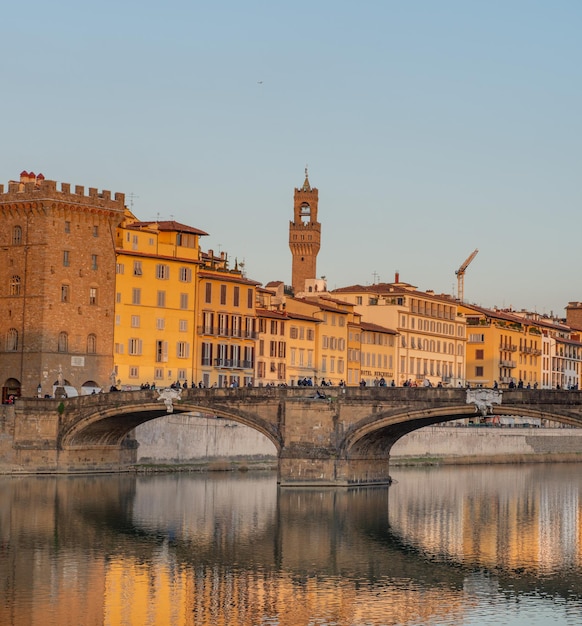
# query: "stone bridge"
{"type": "Point", "coordinates": [343, 439]}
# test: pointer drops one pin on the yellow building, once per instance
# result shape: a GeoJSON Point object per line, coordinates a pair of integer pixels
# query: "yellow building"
{"type": "Point", "coordinates": [301, 348]}
{"type": "Point", "coordinates": [331, 334]}
{"type": "Point", "coordinates": [227, 328]}
{"type": "Point", "coordinates": [271, 361]}
{"type": "Point", "coordinates": [378, 355]}
{"type": "Point", "coordinates": [155, 323]}
{"type": "Point", "coordinates": [502, 347]}
{"type": "Point", "coordinates": [431, 345]}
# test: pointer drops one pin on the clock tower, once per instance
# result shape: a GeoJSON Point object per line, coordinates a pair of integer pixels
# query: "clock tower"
{"type": "Point", "coordinates": [304, 236]}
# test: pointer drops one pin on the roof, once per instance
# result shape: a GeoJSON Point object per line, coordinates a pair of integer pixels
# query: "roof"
{"type": "Point", "coordinates": [395, 289]}
{"type": "Point", "coordinates": [166, 225]}
{"type": "Point", "coordinates": [511, 316]}
{"type": "Point", "coordinates": [375, 328]}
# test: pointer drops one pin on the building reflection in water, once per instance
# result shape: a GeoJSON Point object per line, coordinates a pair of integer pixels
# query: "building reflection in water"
{"type": "Point", "coordinates": [236, 550]}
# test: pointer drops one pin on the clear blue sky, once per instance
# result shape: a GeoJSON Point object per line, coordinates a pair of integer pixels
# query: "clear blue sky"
{"type": "Point", "coordinates": [430, 128]}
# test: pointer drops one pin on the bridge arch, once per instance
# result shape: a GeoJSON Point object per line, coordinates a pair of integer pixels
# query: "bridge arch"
{"type": "Point", "coordinates": [111, 426]}
{"type": "Point", "coordinates": [377, 433]}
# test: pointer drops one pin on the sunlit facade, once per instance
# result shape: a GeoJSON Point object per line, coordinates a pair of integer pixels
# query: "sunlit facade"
{"type": "Point", "coordinates": [155, 303]}
{"type": "Point", "coordinates": [226, 325]}
{"type": "Point", "coordinates": [431, 343]}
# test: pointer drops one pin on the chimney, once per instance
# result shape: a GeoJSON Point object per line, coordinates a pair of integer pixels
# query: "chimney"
{"type": "Point", "coordinates": [397, 277]}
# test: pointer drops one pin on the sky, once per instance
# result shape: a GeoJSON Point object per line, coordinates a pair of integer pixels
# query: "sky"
{"type": "Point", "coordinates": [430, 128]}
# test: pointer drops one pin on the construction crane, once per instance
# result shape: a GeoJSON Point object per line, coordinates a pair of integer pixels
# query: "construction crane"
{"type": "Point", "coordinates": [461, 275]}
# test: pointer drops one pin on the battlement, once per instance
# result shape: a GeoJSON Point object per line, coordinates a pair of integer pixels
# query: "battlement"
{"type": "Point", "coordinates": [36, 187]}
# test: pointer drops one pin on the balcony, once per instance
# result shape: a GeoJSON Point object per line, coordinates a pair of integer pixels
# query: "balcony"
{"type": "Point", "coordinates": [236, 333]}
{"type": "Point", "coordinates": [507, 363]}
{"type": "Point", "coordinates": [508, 347]}
{"type": "Point", "coordinates": [233, 364]}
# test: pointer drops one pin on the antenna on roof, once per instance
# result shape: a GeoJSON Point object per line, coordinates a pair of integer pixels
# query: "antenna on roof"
{"type": "Point", "coordinates": [131, 198]}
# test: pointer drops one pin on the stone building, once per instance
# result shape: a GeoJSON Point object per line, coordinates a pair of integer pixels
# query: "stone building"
{"type": "Point", "coordinates": [57, 285]}
{"type": "Point", "coordinates": [304, 238]}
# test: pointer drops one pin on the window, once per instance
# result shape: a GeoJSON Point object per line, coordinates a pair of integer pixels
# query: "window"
{"type": "Point", "coordinates": [65, 293]}
{"type": "Point", "coordinates": [95, 231]}
{"type": "Point", "coordinates": [134, 347]}
{"type": "Point", "coordinates": [479, 355]}
{"type": "Point", "coordinates": [182, 350]}
{"type": "Point", "coordinates": [183, 326]}
{"type": "Point", "coordinates": [137, 271]}
{"type": "Point", "coordinates": [162, 271]}
{"type": "Point", "coordinates": [249, 299]}
{"type": "Point", "coordinates": [161, 298]}
{"type": "Point", "coordinates": [222, 294]}
{"type": "Point", "coordinates": [206, 354]}
{"type": "Point", "coordinates": [273, 327]}
{"type": "Point", "coordinates": [186, 240]}
{"type": "Point", "coordinates": [185, 275]}
{"type": "Point", "coordinates": [136, 296]}
{"type": "Point", "coordinates": [93, 261]}
{"type": "Point", "coordinates": [135, 321]}
{"type": "Point", "coordinates": [160, 323]}
{"type": "Point", "coordinates": [208, 293]}
{"type": "Point", "coordinates": [161, 351]}
{"type": "Point", "coordinates": [183, 300]}
{"type": "Point", "coordinates": [12, 340]}
{"type": "Point", "coordinates": [118, 297]}
{"type": "Point", "coordinates": [15, 286]}
{"type": "Point", "coordinates": [92, 295]}
{"type": "Point", "coordinates": [293, 332]}
{"type": "Point", "coordinates": [119, 268]}
{"type": "Point", "coordinates": [236, 296]}
{"type": "Point", "coordinates": [134, 371]}
{"type": "Point", "coordinates": [479, 370]}
{"type": "Point", "coordinates": [63, 342]}
{"type": "Point", "coordinates": [476, 338]}
{"type": "Point", "coordinates": [91, 344]}
{"type": "Point", "coordinates": [67, 226]}
{"type": "Point", "coordinates": [66, 258]}
{"type": "Point", "coordinates": [16, 235]}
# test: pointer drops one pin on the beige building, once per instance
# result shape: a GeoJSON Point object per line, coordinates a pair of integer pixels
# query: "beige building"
{"type": "Point", "coordinates": [431, 343]}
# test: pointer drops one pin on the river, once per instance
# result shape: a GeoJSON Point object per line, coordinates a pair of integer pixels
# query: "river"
{"type": "Point", "coordinates": [441, 546]}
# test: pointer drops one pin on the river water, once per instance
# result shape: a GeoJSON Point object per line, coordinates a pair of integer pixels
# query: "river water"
{"type": "Point", "coordinates": [442, 546]}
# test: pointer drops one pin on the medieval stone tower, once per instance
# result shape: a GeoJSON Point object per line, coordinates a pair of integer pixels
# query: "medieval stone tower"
{"type": "Point", "coordinates": [304, 236]}
{"type": "Point", "coordinates": [57, 285]}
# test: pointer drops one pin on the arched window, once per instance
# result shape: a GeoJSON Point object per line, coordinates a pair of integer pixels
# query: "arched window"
{"type": "Point", "coordinates": [16, 236]}
{"type": "Point", "coordinates": [63, 342]}
{"type": "Point", "coordinates": [15, 286]}
{"type": "Point", "coordinates": [12, 340]}
{"type": "Point", "coordinates": [91, 344]}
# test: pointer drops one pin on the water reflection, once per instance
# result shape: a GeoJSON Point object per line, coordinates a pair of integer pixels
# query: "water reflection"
{"type": "Point", "coordinates": [441, 546]}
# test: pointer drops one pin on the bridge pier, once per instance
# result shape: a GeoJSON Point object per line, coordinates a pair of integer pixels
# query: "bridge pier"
{"type": "Point", "coordinates": [332, 472]}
